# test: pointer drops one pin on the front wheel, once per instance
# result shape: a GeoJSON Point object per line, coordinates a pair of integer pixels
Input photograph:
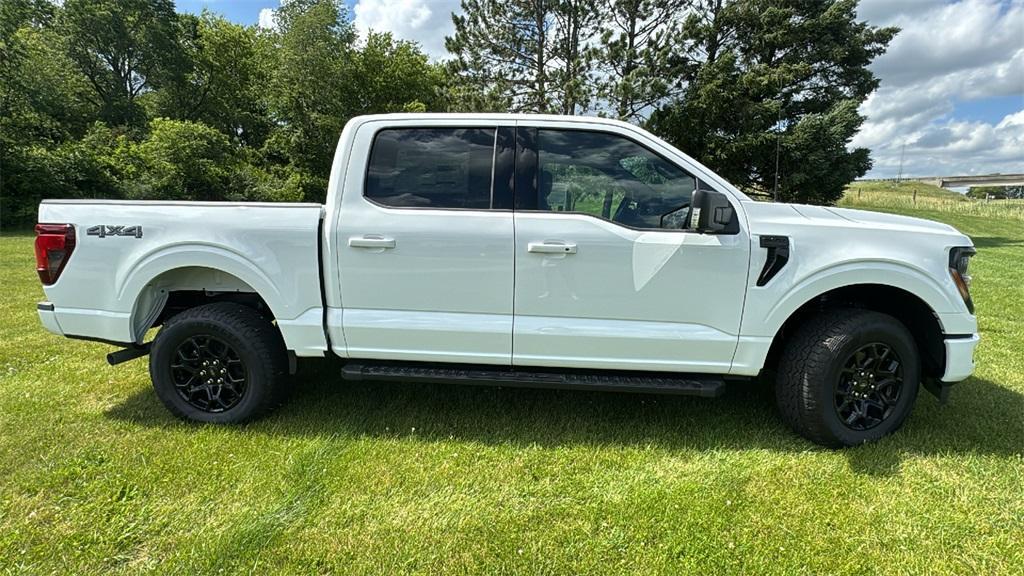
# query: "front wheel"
{"type": "Point", "coordinates": [220, 363]}
{"type": "Point", "coordinates": [848, 377]}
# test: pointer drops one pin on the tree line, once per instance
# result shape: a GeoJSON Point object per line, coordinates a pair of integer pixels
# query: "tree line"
{"type": "Point", "coordinates": [130, 99]}
{"type": "Point", "coordinates": [996, 192]}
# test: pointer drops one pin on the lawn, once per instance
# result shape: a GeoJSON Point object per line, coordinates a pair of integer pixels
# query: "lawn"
{"type": "Point", "coordinates": [95, 476]}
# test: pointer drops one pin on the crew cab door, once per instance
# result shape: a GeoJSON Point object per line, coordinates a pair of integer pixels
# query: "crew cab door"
{"type": "Point", "coordinates": [607, 274]}
{"type": "Point", "coordinates": [424, 252]}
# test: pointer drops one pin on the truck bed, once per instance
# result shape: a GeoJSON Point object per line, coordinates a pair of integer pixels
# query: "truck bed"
{"type": "Point", "coordinates": [129, 254]}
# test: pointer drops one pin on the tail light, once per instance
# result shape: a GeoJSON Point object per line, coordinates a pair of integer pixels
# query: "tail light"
{"type": "Point", "coordinates": [54, 245]}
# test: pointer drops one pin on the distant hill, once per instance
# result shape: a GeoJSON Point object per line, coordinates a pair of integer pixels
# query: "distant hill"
{"type": "Point", "coordinates": [901, 188]}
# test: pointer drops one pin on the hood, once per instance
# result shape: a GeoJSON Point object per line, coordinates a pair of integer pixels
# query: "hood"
{"type": "Point", "coordinates": [770, 218]}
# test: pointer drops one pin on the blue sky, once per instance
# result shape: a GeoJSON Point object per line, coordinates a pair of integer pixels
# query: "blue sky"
{"type": "Point", "coordinates": [241, 11]}
{"type": "Point", "coordinates": [952, 81]}
{"type": "Point", "coordinates": [991, 109]}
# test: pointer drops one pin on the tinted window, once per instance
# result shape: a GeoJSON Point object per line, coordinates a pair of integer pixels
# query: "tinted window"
{"type": "Point", "coordinates": [432, 168]}
{"type": "Point", "coordinates": [610, 177]}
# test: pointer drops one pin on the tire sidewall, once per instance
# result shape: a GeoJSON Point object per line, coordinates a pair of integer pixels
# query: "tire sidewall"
{"type": "Point", "coordinates": [164, 349]}
{"type": "Point", "coordinates": [899, 339]}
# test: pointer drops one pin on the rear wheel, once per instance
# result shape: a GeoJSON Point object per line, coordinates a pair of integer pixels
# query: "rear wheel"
{"type": "Point", "coordinates": [848, 377]}
{"type": "Point", "coordinates": [220, 363]}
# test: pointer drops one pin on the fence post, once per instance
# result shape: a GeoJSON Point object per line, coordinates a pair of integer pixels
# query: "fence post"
{"type": "Point", "coordinates": [858, 193]}
{"type": "Point", "coordinates": [915, 197]}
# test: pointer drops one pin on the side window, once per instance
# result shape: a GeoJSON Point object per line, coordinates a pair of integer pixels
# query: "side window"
{"type": "Point", "coordinates": [431, 168]}
{"type": "Point", "coordinates": [611, 177]}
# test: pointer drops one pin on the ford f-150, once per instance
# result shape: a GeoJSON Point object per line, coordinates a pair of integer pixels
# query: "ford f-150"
{"type": "Point", "coordinates": [519, 250]}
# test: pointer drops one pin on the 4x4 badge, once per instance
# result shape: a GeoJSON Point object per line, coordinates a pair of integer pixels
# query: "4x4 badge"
{"type": "Point", "coordinates": [103, 231]}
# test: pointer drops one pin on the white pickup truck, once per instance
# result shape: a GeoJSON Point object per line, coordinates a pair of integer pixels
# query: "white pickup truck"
{"type": "Point", "coordinates": [519, 250]}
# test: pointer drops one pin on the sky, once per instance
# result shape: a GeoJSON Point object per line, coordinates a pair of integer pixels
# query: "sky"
{"type": "Point", "coordinates": [950, 102]}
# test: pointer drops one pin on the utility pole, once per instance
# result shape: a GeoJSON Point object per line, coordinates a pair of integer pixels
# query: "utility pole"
{"type": "Point", "coordinates": [903, 149]}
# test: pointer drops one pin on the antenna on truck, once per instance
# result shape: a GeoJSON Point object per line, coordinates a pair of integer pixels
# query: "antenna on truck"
{"type": "Point", "coordinates": [778, 144]}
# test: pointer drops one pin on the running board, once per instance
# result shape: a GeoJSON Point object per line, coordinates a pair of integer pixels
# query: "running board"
{"type": "Point", "coordinates": [707, 385]}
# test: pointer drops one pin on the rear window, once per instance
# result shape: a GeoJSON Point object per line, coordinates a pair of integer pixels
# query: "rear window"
{"type": "Point", "coordinates": [431, 168]}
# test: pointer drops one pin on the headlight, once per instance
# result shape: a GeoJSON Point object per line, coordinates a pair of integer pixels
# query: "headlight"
{"type": "Point", "coordinates": [959, 261]}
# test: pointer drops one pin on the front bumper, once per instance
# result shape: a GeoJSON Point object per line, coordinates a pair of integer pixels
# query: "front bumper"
{"type": "Point", "coordinates": [960, 357]}
{"type": "Point", "coordinates": [48, 317]}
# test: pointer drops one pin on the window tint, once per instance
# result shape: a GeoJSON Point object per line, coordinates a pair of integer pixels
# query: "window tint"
{"type": "Point", "coordinates": [432, 168]}
{"type": "Point", "coordinates": [610, 177]}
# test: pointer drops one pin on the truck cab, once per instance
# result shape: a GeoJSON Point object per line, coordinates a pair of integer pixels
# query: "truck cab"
{"type": "Point", "coordinates": [527, 250]}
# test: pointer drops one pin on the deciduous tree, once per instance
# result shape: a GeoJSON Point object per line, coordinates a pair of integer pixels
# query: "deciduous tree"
{"type": "Point", "coordinates": [225, 80]}
{"type": "Point", "coordinates": [124, 47]}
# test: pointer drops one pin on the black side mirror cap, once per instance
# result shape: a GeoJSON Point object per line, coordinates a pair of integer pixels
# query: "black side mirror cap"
{"type": "Point", "coordinates": [712, 213]}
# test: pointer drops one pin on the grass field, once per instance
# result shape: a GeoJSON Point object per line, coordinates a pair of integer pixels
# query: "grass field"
{"type": "Point", "coordinates": [96, 478]}
{"type": "Point", "coordinates": [916, 196]}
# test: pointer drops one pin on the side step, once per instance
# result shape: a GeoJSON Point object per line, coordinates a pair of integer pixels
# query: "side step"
{"type": "Point", "coordinates": [707, 385]}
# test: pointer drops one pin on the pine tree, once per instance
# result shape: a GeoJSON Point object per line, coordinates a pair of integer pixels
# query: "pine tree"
{"type": "Point", "coordinates": [639, 54]}
{"type": "Point", "coordinates": [772, 94]}
{"type": "Point", "coordinates": [575, 32]}
{"type": "Point", "coordinates": [503, 48]}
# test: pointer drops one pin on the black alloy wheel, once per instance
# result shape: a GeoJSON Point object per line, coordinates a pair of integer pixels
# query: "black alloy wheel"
{"type": "Point", "coordinates": [220, 363]}
{"type": "Point", "coordinates": [869, 386]}
{"type": "Point", "coordinates": [208, 374]}
{"type": "Point", "coordinates": [847, 376]}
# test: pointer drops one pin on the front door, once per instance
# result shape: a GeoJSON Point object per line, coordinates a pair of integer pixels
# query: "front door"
{"type": "Point", "coordinates": [607, 274]}
{"type": "Point", "coordinates": [425, 257]}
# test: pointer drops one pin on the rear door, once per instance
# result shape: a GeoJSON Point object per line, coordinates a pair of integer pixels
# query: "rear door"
{"type": "Point", "coordinates": [607, 274]}
{"type": "Point", "coordinates": [424, 244]}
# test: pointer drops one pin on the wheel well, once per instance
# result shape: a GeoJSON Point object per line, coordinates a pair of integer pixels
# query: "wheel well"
{"type": "Point", "coordinates": [913, 312]}
{"type": "Point", "coordinates": [181, 300]}
{"type": "Point", "coordinates": [180, 289]}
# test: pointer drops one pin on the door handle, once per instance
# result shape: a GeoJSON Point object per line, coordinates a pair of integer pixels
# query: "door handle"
{"type": "Point", "coordinates": [551, 248]}
{"type": "Point", "coordinates": [371, 241]}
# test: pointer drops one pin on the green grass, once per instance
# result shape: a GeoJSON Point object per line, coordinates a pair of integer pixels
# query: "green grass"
{"type": "Point", "coordinates": [95, 477]}
{"type": "Point", "coordinates": [907, 197]}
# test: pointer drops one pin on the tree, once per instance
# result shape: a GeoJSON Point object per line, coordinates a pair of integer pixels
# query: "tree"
{"type": "Point", "coordinates": [996, 192]}
{"type": "Point", "coordinates": [572, 81]}
{"type": "Point", "coordinates": [311, 89]}
{"type": "Point", "coordinates": [503, 48]}
{"type": "Point", "coordinates": [123, 47]}
{"type": "Point", "coordinates": [639, 55]}
{"type": "Point", "coordinates": [771, 96]}
{"type": "Point", "coordinates": [42, 96]}
{"type": "Point", "coordinates": [224, 80]}
{"type": "Point", "coordinates": [181, 160]}
{"type": "Point", "coordinates": [42, 105]}
{"type": "Point", "coordinates": [321, 76]}
{"type": "Point", "coordinates": [394, 76]}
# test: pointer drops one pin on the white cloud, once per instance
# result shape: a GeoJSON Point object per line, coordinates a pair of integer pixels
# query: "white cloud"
{"type": "Point", "coordinates": [970, 50]}
{"type": "Point", "coordinates": [424, 21]}
{"type": "Point", "coordinates": [950, 38]}
{"type": "Point", "coordinates": [958, 147]}
{"type": "Point", "coordinates": [1016, 119]}
{"type": "Point", "coordinates": [267, 19]}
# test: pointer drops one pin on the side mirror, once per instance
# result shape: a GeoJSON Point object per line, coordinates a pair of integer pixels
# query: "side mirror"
{"type": "Point", "coordinates": [712, 213]}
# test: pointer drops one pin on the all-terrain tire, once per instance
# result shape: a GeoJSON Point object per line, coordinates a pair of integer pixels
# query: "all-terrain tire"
{"type": "Point", "coordinates": [808, 389]}
{"type": "Point", "coordinates": [258, 357]}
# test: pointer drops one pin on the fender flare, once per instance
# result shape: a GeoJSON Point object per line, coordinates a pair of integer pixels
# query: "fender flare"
{"type": "Point", "coordinates": [852, 273]}
{"type": "Point", "coordinates": [131, 282]}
